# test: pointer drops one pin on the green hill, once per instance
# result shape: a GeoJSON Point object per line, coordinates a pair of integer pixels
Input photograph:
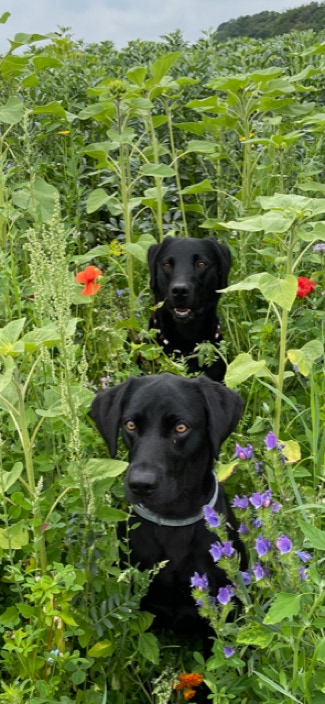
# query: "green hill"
{"type": "Point", "coordinates": [269, 24]}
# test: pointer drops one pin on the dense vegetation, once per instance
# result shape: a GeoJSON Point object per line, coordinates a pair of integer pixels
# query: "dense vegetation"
{"type": "Point", "coordinates": [102, 153]}
{"type": "Point", "coordinates": [267, 24]}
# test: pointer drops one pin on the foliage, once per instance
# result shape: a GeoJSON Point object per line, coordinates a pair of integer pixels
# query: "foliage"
{"type": "Point", "coordinates": [102, 154]}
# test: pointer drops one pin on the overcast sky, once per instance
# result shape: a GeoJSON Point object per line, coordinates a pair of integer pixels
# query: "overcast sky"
{"type": "Point", "coordinates": [123, 20]}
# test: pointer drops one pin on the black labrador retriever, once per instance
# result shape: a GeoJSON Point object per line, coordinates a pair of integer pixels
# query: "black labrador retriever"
{"type": "Point", "coordinates": [173, 428]}
{"type": "Point", "coordinates": [185, 274]}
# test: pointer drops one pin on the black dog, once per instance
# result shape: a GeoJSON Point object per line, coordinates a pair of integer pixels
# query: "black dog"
{"type": "Point", "coordinates": [173, 428]}
{"type": "Point", "coordinates": [185, 275]}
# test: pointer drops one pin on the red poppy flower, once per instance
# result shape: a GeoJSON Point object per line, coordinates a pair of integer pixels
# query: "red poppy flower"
{"type": "Point", "coordinates": [88, 277]}
{"type": "Point", "coordinates": [305, 286]}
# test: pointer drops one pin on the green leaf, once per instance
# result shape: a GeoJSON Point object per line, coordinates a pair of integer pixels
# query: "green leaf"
{"type": "Point", "coordinates": [41, 62]}
{"type": "Point", "coordinates": [148, 647]}
{"type": "Point", "coordinates": [4, 17]}
{"type": "Point", "coordinates": [14, 537]}
{"type": "Point", "coordinates": [242, 367]}
{"type": "Point", "coordinates": [10, 617]}
{"type": "Point", "coordinates": [102, 649]}
{"type": "Point", "coordinates": [201, 146]}
{"type": "Point", "coordinates": [9, 478]}
{"type": "Point", "coordinates": [11, 332]}
{"type": "Point", "coordinates": [284, 606]}
{"type": "Point", "coordinates": [157, 170]}
{"type": "Point", "coordinates": [160, 67]}
{"type": "Point", "coordinates": [12, 112]}
{"type": "Point", "coordinates": [315, 536]}
{"type": "Point", "coordinates": [226, 470]}
{"type": "Point", "coordinates": [103, 468]}
{"type": "Point", "coordinates": [140, 248]}
{"type": "Point", "coordinates": [96, 200]}
{"type": "Point", "coordinates": [6, 376]}
{"type": "Point", "coordinates": [201, 187]}
{"type": "Point", "coordinates": [274, 686]}
{"type": "Point", "coordinates": [53, 108]}
{"type": "Point", "coordinates": [306, 356]}
{"type": "Point", "coordinates": [137, 75]}
{"type": "Point", "coordinates": [280, 291]}
{"type": "Point", "coordinates": [255, 634]}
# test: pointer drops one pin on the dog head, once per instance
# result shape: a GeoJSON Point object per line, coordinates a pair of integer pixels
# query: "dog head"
{"type": "Point", "coordinates": [186, 273]}
{"type": "Point", "coordinates": [173, 427]}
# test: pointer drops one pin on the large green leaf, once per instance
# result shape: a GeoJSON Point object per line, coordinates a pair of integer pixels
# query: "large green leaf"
{"type": "Point", "coordinates": [12, 112]}
{"type": "Point", "coordinates": [284, 606]}
{"type": "Point", "coordinates": [161, 66]}
{"type": "Point", "coordinates": [315, 536]}
{"type": "Point", "coordinates": [148, 647]}
{"type": "Point", "coordinates": [157, 170]}
{"type": "Point", "coordinates": [242, 367]}
{"type": "Point", "coordinates": [280, 291]}
{"type": "Point", "coordinates": [306, 356]}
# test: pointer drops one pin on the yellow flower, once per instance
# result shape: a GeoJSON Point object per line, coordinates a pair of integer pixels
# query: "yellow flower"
{"type": "Point", "coordinates": [64, 132]}
{"type": "Point", "coordinates": [116, 249]}
{"type": "Point", "coordinates": [243, 139]}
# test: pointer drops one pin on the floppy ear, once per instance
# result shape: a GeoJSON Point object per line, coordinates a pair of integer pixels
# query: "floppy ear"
{"type": "Point", "coordinates": [224, 408]}
{"type": "Point", "coordinates": [223, 254]}
{"type": "Point", "coordinates": [106, 410]}
{"type": "Point", "coordinates": [153, 253]}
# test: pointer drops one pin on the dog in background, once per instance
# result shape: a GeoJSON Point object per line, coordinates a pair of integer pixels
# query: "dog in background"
{"type": "Point", "coordinates": [173, 428]}
{"type": "Point", "coordinates": [185, 274]}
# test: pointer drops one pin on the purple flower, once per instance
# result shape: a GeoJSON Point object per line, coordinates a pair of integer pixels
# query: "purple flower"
{"type": "Point", "coordinates": [243, 529]}
{"type": "Point", "coordinates": [284, 544]}
{"type": "Point", "coordinates": [262, 546]}
{"type": "Point", "coordinates": [211, 517]}
{"type": "Point", "coordinates": [303, 573]}
{"type": "Point", "coordinates": [319, 247]}
{"type": "Point", "coordinates": [256, 499]}
{"type": "Point", "coordinates": [199, 582]}
{"type": "Point", "coordinates": [227, 548]}
{"type": "Point", "coordinates": [119, 292]}
{"type": "Point", "coordinates": [244, 453]}
{"type": "Point", "coordinates": [246, 578]}
{"type": "Point", "coordinates": [258, 571]}
{"type": "Point", "coordinates": [261, 500]}
{"type": "Point", "coordinates": [270, 441]}
{"type": "Point", "coordinates": [275, 507]}
{"type": "Point", "coordinates": [224, 595]}
{"type": "Point", "coordinates": [216, 551]}
{"type": "Point", "coordinates": [240, 502]}
{"type": "Point", "coordinates": [304, 556]}
{"type": "Point", "coordinates": [258, 467]}
{"type": "Point", "coordinates": [257, 522]}
{"type": "Point", "coordinates": [228, 651]}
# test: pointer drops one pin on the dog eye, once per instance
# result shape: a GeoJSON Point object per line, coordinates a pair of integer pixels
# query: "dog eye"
{"type": "Point", "coordinates": [130, 425]}
{"type": "Point", "coordinates": [181, 428]}
{"type": "Point", "coordinates": [201, 265]}
{"type": "Point", "coordinates": [167, 266]}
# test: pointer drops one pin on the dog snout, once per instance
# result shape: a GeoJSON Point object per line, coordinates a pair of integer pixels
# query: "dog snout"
{"type": "Point", "coordinates": [180, 289]}
{"type": "Point", "coordinates": [142, 483]}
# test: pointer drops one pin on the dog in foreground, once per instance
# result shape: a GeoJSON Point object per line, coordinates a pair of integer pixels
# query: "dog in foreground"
{"type": "Point", "coordinates": [185, 274]}
{"type": "Point", "coordinates": [173, 428]}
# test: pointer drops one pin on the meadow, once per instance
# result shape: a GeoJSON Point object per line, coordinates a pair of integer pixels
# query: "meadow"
{"type": "Point", "coordinates": [103, 153]}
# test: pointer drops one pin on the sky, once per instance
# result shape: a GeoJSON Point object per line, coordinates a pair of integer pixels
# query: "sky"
{"type": "Point", "coordinates": [121, 21]}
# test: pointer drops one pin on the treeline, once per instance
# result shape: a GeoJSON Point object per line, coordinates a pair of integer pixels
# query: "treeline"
{"type": "Point", "coordinates": [270, 24]}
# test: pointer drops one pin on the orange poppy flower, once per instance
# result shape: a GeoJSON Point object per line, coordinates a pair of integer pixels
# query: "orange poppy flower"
{"type": "Point", "coordinates": [88, 277]}
{"type": "Point", "coordinates": [189, 694]}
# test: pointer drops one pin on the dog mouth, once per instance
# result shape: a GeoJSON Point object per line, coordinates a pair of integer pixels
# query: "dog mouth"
{"type": "Point", "coordinates": [182, 312]}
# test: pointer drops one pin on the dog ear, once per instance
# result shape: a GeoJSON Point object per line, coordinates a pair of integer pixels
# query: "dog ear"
{"type": "Point", "coordinates": [106, 410]}
{"type": "Point", "coordinates": [152, 257]}
{"type": "Point", "coordinates": [224, 408]}
{"type": "Point", "coordinates": [223, 254]}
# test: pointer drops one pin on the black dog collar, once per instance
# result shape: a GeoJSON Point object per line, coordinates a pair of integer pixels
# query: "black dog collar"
{"type": "Point", "coordinates": [155, 518]}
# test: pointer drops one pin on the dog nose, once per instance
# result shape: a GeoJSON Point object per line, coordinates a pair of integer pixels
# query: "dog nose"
{"type": "Point", "coordinates": [142, 483]}
{"type": "Point", "coordinates": [180, 289]}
